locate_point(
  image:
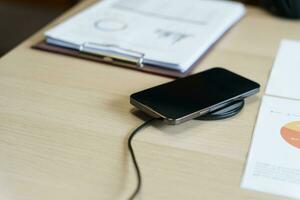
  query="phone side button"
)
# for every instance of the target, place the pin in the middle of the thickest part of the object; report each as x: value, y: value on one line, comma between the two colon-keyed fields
x: 203, y: 112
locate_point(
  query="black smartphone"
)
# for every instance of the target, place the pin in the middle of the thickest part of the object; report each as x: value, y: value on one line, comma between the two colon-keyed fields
x: 188, y: 98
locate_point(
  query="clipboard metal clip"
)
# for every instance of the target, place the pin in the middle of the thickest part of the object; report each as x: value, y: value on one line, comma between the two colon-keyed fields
x: 113, y: 53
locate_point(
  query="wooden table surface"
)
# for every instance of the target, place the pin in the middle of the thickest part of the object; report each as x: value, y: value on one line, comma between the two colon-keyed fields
x: 64, y: 124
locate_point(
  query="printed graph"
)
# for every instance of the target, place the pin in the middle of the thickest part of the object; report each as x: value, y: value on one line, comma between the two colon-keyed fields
x: 290, y: 132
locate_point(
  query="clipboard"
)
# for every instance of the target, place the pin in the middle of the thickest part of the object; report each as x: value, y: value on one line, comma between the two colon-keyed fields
x: 174, y: 61
x: 133, y: 60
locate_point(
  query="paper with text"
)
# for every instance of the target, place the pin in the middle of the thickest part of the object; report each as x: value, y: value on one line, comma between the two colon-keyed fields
x: 273, y: 163
x: 172, y: 34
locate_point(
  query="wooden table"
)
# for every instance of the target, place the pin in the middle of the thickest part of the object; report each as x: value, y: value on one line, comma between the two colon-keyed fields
x: 64, y: 124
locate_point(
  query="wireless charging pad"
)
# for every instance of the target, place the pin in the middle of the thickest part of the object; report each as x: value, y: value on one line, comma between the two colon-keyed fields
x: 228, y: 111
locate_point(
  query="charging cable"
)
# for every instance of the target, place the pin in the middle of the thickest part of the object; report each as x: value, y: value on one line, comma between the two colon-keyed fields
x: 228, y: 111
x: 136, y: 166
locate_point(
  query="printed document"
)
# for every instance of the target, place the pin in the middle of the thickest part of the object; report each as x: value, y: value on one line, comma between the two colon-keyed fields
x: 274, y: 160
x: 168, y: 33
x: 285, y: 76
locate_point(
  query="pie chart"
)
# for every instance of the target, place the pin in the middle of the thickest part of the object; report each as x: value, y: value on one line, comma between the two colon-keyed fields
x: 290, y: 132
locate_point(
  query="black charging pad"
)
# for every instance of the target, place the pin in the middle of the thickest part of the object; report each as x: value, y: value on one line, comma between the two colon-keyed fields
x: 227, y: 111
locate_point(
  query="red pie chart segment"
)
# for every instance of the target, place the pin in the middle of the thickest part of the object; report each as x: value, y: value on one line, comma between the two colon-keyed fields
x: 291, y: 133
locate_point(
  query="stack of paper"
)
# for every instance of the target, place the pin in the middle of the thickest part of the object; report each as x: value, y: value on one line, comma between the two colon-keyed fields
x: 274, y: 160
x: 171, y: 34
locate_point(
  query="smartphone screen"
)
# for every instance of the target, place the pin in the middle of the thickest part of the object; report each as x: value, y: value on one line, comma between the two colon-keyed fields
x: 190, y: 97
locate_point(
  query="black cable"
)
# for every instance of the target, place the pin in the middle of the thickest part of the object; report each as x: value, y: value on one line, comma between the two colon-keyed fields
x: 136, y: 166
x: 228, y: 111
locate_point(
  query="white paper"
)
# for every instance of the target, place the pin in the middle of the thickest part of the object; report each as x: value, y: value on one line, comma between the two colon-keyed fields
x: 285, y: 77
x: 171, y: 33
x: 274, y: 161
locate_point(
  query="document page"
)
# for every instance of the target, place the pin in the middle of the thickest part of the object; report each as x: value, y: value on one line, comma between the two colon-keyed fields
x: 285, y: 77
x: 274, y: 161
x: 172, y: 33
